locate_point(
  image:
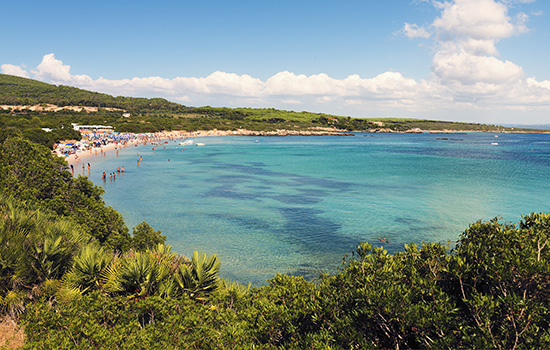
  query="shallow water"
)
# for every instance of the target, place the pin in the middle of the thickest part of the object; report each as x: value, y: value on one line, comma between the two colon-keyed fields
x: 297, y: 205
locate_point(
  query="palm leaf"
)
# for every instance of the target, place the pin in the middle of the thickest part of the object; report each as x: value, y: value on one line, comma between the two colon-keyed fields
x: 201, y: 279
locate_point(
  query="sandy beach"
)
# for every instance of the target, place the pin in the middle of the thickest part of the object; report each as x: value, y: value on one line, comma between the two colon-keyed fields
x: 111, y: 148
x: 81, y: 155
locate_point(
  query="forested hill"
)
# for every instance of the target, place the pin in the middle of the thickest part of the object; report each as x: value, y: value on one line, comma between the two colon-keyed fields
x: 22, y: 91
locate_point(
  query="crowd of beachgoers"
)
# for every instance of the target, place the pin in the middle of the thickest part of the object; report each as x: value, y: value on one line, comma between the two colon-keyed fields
x: 91, y: 144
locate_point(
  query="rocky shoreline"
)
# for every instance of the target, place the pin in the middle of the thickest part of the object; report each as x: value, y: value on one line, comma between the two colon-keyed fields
x: 244, y: 132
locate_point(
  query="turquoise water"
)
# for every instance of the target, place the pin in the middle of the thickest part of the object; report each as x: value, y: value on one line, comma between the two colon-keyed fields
x: 297, y: 205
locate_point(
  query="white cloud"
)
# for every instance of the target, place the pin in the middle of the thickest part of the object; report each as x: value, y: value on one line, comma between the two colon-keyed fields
x: 477, y: 19
x: 51, y: 69
x: 469, y: 69
x: 543, y: 84
x: 14, y: 70
x: 415, y: 31
x: 285, y: 83
x: 292, y: 102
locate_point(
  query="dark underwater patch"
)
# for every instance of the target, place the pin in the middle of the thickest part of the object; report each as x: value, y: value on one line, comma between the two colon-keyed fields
x: 297, y: 199
x: 306, y: 228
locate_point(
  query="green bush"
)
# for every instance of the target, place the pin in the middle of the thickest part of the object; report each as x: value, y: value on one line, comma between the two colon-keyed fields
x: 490, y: 291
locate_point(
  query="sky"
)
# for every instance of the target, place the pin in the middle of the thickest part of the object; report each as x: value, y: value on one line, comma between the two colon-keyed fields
x: 480, y: 61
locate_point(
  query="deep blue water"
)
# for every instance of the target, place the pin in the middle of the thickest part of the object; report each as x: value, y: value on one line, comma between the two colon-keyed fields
x: 297, y: 205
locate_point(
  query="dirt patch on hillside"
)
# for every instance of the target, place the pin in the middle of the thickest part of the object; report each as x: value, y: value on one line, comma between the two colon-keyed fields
x: 54, y: 108
x: 12, y: 336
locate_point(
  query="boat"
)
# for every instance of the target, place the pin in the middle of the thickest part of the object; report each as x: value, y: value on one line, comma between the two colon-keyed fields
x: 186, y: 143
x: 494, y: 143
x: 199, y: 144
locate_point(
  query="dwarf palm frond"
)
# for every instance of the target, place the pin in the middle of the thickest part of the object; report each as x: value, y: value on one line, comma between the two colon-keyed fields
x: 110, y: 276
x: 14, y: 303
x: 11, y: 242
x: 66, y: 294
x: 45, y: 259
x: 87, y: 267
x: 200, y: 279
x: 20, y: 215
x: 35, y: 245
x: 135, y: 274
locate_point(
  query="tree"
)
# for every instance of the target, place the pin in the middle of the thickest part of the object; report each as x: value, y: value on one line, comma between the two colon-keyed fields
x: 499, y: 276
x: 32, y: 173
x: 145, y: 237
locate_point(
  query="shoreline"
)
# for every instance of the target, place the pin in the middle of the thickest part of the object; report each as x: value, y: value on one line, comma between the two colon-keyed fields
x: 79, y: 156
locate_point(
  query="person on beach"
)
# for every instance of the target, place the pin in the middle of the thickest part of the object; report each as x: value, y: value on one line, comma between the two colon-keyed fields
x: 88, y: 167
x: 72, y: 169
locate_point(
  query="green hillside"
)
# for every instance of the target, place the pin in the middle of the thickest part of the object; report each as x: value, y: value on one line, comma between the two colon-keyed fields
x: 157, y: 114
x: 22, y: 91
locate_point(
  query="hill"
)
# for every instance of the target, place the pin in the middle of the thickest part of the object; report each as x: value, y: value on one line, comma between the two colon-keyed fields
x: 54, y: 106
x: 22, y: 91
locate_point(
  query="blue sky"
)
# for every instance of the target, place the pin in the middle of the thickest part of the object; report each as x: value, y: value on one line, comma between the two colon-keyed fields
x: 464, y: 60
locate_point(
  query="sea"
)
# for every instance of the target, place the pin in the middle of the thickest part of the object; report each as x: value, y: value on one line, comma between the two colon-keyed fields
x: 298, y: 205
